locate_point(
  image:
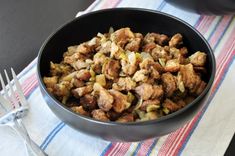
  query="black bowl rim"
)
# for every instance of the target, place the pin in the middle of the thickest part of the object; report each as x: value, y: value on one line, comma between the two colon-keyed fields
x: 113, y: 123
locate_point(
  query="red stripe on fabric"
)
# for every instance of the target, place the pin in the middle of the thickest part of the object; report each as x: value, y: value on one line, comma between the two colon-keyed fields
x: 203, y: 23
x: 124, y: 149
x: 231, y: 38
x: 175, y: 140
x: 219, y: 67
x: 220, y: 29
x: 29, y: 91
x: 24, y: 84
x: 145, y: 147
x: 206, y: 25
x: 110, y: 149
x: 219, y: 75
x: 168, y: 142
x: 200, y: 25
x: 114, y: 152
x: 199, y: 21
x: 226, y: 56
x: 224, y: 65
x: 186, y: 132
x: 28, y: 84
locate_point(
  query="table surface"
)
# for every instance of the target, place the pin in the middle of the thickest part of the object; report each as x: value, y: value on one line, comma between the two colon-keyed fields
x: 24, y: 25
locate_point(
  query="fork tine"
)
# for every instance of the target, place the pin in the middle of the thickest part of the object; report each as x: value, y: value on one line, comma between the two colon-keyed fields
x: 19, y: 89
x: 5, y: 103
x: 2, y: 110
x: 4, y: 87
x: 15, y: 101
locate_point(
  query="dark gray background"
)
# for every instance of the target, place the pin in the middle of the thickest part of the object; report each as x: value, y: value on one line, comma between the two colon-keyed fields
x: 25, y: 24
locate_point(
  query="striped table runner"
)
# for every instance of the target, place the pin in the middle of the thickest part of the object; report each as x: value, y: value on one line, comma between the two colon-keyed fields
x: 208, y: 133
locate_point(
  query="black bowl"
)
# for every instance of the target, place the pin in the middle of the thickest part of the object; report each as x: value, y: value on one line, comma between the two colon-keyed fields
x: 84, y: 28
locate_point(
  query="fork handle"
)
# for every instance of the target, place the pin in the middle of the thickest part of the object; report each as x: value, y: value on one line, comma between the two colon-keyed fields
x: 31, y: 145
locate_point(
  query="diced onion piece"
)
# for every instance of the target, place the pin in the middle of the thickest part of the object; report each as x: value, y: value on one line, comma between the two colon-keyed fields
x: 138, y: 57
x: 123, y: 56
x: 111, y: 30
x: 165, y: 110
x: 145, y: 55
x: 180, y: 82
x: 151, y: 115
x: 69, y: 77
x: 139, y: 104
x: 92, y: 75
x: 141, y: 114
x: 151, y: 108
x: 101, y: 79
x: 162, y: 61
x: 131, y: 57
x: 130, y: 97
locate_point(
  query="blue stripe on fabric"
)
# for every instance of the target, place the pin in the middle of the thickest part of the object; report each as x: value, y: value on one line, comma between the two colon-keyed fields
x: 198, y: 21
x: 137, y: 149
x: 217, y: 43
x: 213, y: 30
x: 161, y: 6
x: 151, y: 147
x: 211, y: 34
x: 32, y: 91
x: 106, y: 149
x: 49, y: 141
x: 44, y: 142
x: 206, y: 106
x: 117, y: 3
x: 52, y: 135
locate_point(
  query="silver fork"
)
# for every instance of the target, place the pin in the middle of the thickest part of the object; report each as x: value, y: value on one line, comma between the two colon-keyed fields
x: 12, y: 110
